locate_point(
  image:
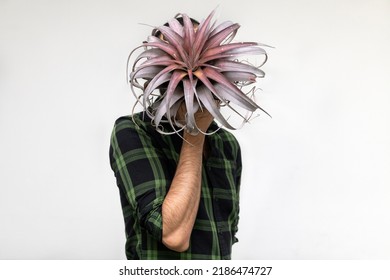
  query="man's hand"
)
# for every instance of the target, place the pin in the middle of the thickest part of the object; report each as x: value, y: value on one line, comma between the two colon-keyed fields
x: 203, y: 118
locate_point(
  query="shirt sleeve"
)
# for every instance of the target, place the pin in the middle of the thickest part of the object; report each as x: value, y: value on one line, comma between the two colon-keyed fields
x: 238, y: 185
x: 140, y: 170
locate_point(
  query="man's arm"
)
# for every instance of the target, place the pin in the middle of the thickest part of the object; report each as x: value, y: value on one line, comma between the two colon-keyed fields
x: 181, y: 203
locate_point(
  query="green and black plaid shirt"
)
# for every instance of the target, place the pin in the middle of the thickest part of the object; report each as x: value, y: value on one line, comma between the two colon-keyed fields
x: 144, y: 162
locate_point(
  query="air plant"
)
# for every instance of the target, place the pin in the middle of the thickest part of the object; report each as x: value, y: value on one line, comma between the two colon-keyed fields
x: 197, y: 65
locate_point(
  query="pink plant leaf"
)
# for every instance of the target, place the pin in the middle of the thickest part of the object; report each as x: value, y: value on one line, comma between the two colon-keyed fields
x: 231, y: 52
x: 175, y: 40
x: 226, y: 65
x: 234, y: 76
x: 206, y: 97
x: 229, y: 88
x: 160, y: 44
x: 158, y: 79
x: 189, y: 101
x: 201, y: 36
x: 147, y: 73
x: 151, y: 53
x: 176, y: 77
x: 161, y: 107
x: 160, y: 61
x: 219, y: 37
x: 175, y: 25
x: 189, y: 34
x: 220, y: 27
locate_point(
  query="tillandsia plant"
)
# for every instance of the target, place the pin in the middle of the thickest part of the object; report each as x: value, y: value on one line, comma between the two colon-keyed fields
x: 198, y: 65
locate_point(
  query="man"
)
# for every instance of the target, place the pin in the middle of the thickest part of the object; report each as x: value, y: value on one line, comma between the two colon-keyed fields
x: 180, y: 190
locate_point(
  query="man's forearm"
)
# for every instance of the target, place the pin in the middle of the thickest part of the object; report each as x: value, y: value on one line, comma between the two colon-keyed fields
x: 181, y: 203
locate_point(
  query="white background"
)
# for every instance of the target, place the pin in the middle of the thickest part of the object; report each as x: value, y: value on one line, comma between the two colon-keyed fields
x: 316, y: 180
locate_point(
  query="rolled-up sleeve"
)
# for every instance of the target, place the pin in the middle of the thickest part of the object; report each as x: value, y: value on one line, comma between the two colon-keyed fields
x: 141, y: 173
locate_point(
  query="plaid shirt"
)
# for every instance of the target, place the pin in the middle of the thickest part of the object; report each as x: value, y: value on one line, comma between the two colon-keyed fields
x: 144, y: 162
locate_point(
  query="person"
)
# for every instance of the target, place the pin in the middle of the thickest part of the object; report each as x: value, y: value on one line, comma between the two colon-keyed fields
x: 179, y: 192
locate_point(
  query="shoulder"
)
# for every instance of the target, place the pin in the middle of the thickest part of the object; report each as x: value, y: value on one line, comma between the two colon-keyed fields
x: 227, y: 142
x: 131, y: 130
x: 130, y: 122
x: 228, y: 138
x: 138, y: 123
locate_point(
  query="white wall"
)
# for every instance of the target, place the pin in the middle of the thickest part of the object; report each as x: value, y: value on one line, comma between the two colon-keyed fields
x: 316, y: 176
